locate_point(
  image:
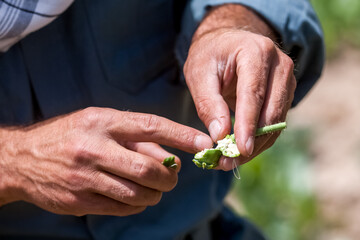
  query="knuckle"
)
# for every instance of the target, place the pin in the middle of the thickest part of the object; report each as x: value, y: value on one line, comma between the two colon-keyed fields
x: 87, y: 118
x: 277, y: 109
x: 195, y: 68
x: 82, y: 153
x: 183, y: 136
x: 289, y: 63
x: 144, y: 170
x: 276, y: 114
x: 256, y: 93
x: 261, y: 46
x: 93, y: 117
x: 151, y: 124
x: 73, y: 205
x: 148, y: 172
x: 267, y: 45
x: 202, y: 107
x: 259, y: 95
x: 91, y: 112
x: 78, y: 148
x: 76, y: 181
x: 71, y: 201
x: 83, y: 203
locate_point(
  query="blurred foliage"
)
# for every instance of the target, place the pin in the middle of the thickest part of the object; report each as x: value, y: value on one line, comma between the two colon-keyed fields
x: 340, y: 20
x: 275, y: 190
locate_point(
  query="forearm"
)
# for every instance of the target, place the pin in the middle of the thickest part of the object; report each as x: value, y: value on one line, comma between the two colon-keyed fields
x: 10, y: 186
x: 234, y: 16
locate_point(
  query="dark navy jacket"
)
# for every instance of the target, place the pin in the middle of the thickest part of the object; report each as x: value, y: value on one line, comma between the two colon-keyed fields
x: 128, y: 55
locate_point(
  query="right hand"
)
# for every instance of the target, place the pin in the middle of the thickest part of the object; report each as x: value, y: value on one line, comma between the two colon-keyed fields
x: 95, y: 161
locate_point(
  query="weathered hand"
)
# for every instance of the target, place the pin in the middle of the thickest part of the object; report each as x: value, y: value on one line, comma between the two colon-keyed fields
x: 246, y: 72
x: 94, y: 161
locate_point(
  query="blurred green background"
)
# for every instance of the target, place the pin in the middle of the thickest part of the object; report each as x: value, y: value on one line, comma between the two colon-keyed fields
x: 341, y: 23
x: 276, y: 191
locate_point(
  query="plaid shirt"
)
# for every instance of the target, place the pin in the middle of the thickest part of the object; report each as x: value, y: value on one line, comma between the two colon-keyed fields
x: 18, y: 18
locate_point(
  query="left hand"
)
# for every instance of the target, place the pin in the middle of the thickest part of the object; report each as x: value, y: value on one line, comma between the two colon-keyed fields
x: 246, y: 72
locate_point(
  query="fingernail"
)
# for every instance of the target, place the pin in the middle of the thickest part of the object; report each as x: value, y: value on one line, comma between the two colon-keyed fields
x: 202, y: 142
x: 227, y: 164
x: 214, y: 129
x: 250, y: 145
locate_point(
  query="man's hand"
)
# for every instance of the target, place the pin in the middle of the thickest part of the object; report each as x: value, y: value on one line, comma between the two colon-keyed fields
x: 233, y: 63
x: 94, y: 161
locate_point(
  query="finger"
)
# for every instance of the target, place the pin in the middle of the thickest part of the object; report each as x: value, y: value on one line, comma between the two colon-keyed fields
x: 152, y: 150
x: 151, y: 128
x: 260, y: 149
x: 139, y: 168
x: 267, y: 142
x: 251, y: 92
x: 125, y: 191
x: 280, y: 90
x: 262, y: 143
x: 101, y: 205
x: 227, y: 164
x: 279, y: 96
x: 204, y: 85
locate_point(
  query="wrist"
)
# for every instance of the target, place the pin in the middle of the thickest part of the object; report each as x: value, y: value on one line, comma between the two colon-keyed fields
x: 11, y: 186
x: 234, y: 16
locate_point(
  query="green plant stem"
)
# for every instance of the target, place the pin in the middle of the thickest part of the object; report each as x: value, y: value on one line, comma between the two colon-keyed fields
x: 270, y: 128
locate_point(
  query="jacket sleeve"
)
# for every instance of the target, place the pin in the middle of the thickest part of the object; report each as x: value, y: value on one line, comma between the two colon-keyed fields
x: 295, y: 22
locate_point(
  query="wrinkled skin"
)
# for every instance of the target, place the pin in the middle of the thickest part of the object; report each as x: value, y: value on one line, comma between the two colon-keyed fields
x: 242, y: 70
x: 108, y: 162
x: 94, y: 161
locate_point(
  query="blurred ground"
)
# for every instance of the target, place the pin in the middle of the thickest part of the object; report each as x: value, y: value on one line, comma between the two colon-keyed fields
x: 332, y: 112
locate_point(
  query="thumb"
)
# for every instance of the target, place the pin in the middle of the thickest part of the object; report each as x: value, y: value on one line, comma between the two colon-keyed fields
x: 214, y: 112
x: 210, y: 105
